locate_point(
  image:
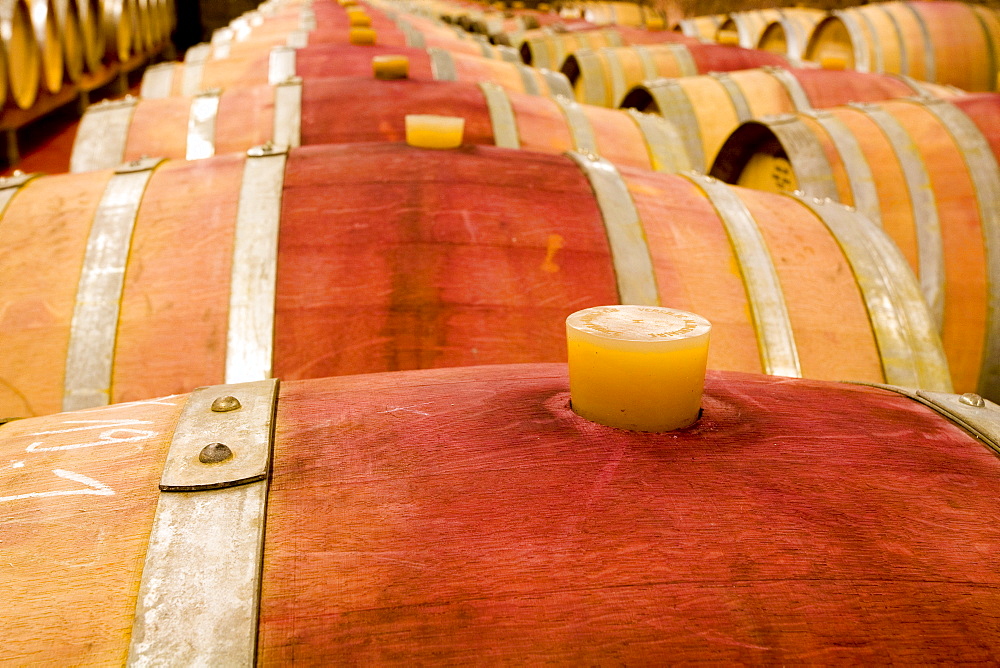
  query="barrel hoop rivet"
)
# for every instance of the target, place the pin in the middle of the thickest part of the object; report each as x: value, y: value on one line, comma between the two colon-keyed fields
x: 199, y: 597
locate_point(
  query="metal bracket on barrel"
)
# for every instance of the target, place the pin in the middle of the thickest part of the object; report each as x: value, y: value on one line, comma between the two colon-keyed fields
x: 976, y: 415
x: 200, y: 593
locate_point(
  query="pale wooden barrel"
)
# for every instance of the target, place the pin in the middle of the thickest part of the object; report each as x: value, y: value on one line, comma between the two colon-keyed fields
x: 24, y: 61
x: 927, y: 170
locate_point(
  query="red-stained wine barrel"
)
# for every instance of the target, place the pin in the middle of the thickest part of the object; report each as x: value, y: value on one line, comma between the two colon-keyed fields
x: 604, y: 76
x: 299, y: 113
x: 924, y: 169
x: 23, y: 71
x: 326, y: 61
x: 745, y: 28
x: 707, y: 109
x: 944, y: 42
x: 458, y: 516
x: 339, y: 259
x: 702, y: 28
x: 328, y: 23
x: 789, y: 33
x: 550, y: 48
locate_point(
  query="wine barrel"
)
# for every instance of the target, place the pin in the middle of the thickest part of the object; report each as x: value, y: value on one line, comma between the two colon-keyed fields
x: 89, y: 16
x: 707, y: 109
x: 50, y: 49
x: 789, y: 33
x: 120, y: 39
x: 622, y: 13
x: 67, y: 19
x: 941, y: 41
x: 298, y: 113
x: 444, y: 516
x: 326, y: 61
x: 164, y: 276
x: 925, y: 170
x: 335, y: 28
x: 602, y: 77
x: 23, y: 59
x: 745, y: 28
x: 702, y: 28
x: 549, y: 48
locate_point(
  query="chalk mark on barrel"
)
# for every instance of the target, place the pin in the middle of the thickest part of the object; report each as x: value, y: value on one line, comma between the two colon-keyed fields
x: 92, y: 487
x: 106, y: 437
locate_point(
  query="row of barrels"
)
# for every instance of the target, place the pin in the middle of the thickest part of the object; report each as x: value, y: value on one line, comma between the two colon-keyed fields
x: 48, y: 44
x: 952, y: 43
x: 286, y: 229
x: 295, y: 111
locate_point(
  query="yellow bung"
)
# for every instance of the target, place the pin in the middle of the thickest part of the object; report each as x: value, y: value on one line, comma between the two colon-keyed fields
x: 655, y: 23
x: 833, y: 63
x: 361, y: 36
x: 728, y: 37
x: 427, y: 131
x: 637, y: 367
x: 358, y: 18
x: 391, y: 67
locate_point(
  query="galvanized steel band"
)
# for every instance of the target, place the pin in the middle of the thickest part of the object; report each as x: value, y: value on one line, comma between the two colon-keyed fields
x: 616, y: 75
x: 649, y: 70
x: 864, y: 193
x: 287, y: 122
x: 739, y: 101
x: 985, y: 175
x: 591, y: 77
x: 158, y: 81
x: 505, y: 134
x: 101, y: 138
x: 280, y: 65
x: 191, y: 77
x: 685, y: 61
x: 809, y: 162
x: 663, y: 143
x: 201, y: 125
x: 878, y: 61
x: 930, y: 60
x: 674, y: 104
x: 557, y: 82
x: 775, y: 338
x: 860, y: 48
x: 908, y: 344
x: 976, y: 415
x: 528, y: 80
x: 250, y: 338
x: 199, y: 597
x: 90, y: 355
x: 579, y: 126
x: 11, y: 186
x: 442, y: 65
x: 633, y: 265
x: 904, y: 58
x: 930, y: 245
x: 792, y: 86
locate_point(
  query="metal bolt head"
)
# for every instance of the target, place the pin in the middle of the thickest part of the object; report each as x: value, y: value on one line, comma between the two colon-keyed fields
x: 213, y: 453
x: 226, y: 404
x: 972, y: 399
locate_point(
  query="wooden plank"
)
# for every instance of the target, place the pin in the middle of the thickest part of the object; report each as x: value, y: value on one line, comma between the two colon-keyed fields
x: 78, y: 496
x: 172, y: 328
x: 39, y: 275
x: 432, y: 258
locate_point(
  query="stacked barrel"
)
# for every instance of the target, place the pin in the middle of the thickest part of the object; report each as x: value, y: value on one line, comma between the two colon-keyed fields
x: 392, y: 206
